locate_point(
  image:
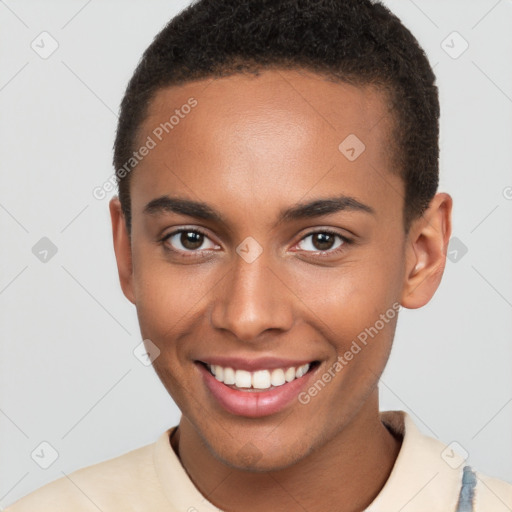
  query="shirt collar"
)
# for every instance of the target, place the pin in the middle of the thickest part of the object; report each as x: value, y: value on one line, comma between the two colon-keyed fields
x: 426, y: 474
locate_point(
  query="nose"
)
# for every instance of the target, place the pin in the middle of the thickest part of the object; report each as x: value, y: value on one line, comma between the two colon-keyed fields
x: 252, y: 299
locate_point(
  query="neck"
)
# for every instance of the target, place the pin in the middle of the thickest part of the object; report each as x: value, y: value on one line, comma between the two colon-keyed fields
x: 345, y: 474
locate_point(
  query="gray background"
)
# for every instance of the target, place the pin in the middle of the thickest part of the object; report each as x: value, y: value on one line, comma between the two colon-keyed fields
x: 68, y: 375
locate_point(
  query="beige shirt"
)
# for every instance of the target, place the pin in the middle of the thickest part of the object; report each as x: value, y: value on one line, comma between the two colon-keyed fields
x: 426, y: 477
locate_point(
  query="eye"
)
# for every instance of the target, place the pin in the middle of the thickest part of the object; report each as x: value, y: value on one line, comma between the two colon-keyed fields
x: 187, y: 240
x: 323, y: 241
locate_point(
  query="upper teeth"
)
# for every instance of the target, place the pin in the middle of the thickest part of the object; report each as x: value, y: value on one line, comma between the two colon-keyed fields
x: 260, y: 379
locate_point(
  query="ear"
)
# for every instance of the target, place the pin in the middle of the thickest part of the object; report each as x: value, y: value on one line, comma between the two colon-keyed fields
x: 122, y: 248
x: 426, y: 247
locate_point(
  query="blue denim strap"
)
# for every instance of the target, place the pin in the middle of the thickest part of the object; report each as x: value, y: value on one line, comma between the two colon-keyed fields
x: 467, y: 491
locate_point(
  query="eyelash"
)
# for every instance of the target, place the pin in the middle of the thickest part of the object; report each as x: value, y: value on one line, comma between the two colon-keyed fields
x: 194, y: 253
x: 185, y: 254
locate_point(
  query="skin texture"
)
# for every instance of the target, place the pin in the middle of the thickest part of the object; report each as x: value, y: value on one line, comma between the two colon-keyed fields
x: 251, y: 147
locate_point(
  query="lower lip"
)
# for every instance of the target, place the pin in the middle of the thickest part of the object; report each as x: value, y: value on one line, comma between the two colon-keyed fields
x: 254, y: 404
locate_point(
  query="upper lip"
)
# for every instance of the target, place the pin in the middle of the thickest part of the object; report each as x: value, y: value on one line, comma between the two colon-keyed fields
x: 253, y: 364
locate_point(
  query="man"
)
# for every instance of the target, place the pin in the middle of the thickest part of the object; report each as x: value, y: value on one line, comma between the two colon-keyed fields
x: 278, y: 171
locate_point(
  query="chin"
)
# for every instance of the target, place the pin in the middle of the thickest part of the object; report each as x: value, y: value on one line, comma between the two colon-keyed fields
x: 261, y: 459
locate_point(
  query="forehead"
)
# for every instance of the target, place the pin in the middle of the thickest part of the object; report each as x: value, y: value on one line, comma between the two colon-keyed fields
x: 296, y: 94
x: 280, y: 135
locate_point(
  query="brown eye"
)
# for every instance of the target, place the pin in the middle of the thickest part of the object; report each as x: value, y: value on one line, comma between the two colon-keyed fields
x: 191, y: 239
x: 188, y: 240
x: 322, y: 241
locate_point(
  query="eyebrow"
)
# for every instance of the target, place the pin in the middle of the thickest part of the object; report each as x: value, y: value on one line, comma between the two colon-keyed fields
x: 200, y: 210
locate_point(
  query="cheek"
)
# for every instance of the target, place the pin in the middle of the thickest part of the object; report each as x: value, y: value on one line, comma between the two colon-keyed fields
x: 356, y: 309
x: 164, y: 293
x: 351, y: 298
x: 342, y: 302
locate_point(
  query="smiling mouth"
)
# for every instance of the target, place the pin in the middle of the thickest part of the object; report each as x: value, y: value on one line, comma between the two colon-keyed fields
x: 259, y: 380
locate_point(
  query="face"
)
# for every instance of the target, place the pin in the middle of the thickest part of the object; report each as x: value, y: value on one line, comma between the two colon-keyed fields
x: 259, y: 244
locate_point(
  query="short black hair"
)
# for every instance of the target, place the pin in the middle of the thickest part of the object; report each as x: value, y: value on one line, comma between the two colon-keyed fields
x: 359, y: 42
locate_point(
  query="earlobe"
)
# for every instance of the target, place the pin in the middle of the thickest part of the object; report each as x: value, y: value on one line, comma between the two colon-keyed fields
x: 427, y: 244
x: 122, y: 248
